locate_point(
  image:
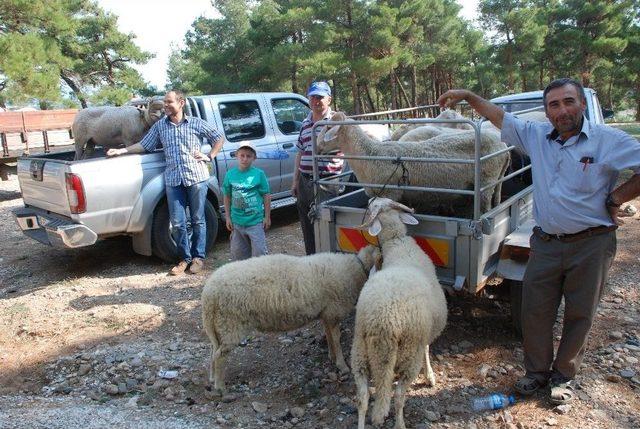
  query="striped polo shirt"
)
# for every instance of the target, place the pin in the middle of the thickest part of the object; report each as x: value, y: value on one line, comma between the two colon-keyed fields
x: 326, y: 167
x: 180, y: 142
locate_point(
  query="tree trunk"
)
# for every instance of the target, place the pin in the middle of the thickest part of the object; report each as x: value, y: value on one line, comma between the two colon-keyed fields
x: 372, y: 108
x: 402, y: 91
x: 541, y: 75
x: 76, y: 89
x: 394, y: 95
x: 638, y: 98
x: 414, y: 86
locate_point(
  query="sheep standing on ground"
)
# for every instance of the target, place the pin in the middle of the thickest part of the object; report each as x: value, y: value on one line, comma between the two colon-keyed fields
x: 400, y: 312
x: 275, y: 293
x: 460, y: 145
x: 111, y: 127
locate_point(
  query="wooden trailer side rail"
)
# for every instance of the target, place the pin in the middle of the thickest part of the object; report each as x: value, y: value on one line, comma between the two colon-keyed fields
x: 39, y: 121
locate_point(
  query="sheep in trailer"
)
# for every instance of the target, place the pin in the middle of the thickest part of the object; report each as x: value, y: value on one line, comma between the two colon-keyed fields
x: 350, y: 140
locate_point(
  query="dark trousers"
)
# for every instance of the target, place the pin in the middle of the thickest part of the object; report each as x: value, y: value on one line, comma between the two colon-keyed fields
x: 576, y: 271
x: 304, y: 203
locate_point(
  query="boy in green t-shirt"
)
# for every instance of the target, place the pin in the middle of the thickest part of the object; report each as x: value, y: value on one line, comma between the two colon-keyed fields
x: 247, y: 205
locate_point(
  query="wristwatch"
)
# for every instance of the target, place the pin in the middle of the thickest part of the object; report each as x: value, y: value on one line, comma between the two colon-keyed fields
x: 610, y: 203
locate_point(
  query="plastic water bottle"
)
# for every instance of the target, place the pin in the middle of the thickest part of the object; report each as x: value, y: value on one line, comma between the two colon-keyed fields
x: 495, y: 401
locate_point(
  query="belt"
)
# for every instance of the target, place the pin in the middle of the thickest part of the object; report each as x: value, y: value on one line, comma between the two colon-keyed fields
x: 568, y: 238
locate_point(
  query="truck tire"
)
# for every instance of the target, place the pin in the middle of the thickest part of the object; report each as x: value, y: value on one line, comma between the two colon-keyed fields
x: 162, y: 244
x: 515, y: 295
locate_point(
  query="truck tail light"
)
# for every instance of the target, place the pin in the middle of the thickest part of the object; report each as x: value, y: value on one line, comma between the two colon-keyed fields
x: 75, y: 193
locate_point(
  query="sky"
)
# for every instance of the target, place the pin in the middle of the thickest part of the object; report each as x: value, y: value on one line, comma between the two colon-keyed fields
x: 161, y: 24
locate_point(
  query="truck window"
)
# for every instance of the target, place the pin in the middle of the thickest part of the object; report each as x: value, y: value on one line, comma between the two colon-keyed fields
x: 289, y: 112
x: 189, y: 108
x: 241, y: 120
x: 203, y: 113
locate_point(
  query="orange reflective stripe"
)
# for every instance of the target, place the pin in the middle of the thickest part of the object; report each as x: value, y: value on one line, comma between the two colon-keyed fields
x: 426, y: 247
x: 352, y: 240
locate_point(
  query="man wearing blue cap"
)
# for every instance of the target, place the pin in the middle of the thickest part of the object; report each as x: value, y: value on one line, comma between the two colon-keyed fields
x: 319, y: 95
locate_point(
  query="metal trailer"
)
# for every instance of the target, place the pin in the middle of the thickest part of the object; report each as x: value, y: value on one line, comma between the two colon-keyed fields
x: 466, y: 251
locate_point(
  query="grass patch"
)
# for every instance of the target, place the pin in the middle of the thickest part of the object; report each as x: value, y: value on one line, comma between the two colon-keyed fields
x: 632, y: 128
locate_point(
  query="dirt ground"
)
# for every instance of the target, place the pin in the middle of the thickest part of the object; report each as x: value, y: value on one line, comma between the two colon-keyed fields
x: 101, y: 337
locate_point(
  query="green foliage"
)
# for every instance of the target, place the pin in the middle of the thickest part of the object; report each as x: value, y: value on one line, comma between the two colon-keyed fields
x: 376, y: 54
x: 57, y: 44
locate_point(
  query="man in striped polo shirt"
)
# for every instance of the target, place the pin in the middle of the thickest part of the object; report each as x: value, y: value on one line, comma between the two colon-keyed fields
x: 185, y: 175
x: 319, y: 95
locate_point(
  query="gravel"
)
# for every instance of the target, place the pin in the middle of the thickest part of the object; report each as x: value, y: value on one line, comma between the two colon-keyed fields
x: 101, y: 337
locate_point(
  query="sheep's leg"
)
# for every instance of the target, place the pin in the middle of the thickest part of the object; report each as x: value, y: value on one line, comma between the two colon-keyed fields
x: 485, y: 201
x: 362, y: 393
x: 428, y: 371
x: 334, y: 337
x: 212, y: 369
x: 400, y: 397
x: 219, y: 359
x: 383, y: 362
x: 88, y: 149
x: 330, y: 341
x: 360, y: 375
x: 332, y: 332
x: 409, y: 363
x: 497, y: 193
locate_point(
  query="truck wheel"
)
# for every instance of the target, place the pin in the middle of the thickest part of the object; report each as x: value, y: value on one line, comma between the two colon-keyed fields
x: 162, y: 244
x: 515, y: 293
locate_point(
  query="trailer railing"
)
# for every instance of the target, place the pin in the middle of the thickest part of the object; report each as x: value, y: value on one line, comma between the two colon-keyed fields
x: 476, y: 161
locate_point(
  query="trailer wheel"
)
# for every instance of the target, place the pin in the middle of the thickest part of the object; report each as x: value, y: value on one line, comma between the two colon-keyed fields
x: 162, y: 244
x: 515, y: 294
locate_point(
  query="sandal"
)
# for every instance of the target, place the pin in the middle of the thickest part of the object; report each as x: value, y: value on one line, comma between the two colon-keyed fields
x: 528, y: 385
x: 561, y: 393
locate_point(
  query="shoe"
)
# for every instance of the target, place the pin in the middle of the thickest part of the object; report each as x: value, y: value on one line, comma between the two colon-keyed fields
x: 561, y: 390
x: 179, y: 269
x: 528, y: 385
x: 196, y: 266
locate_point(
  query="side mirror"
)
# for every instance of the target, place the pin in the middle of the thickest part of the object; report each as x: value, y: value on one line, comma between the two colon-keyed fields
x: 607, y: 113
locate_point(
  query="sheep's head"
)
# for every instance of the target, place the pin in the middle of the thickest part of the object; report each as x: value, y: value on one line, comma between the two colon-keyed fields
x: 155, y: 109
x: 452, y: 114
x: 328, y: 138
x: 370, y: 256
x: 387, y: 214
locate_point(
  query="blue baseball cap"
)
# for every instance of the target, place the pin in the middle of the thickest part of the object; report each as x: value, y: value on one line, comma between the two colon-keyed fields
x: 319, y: 88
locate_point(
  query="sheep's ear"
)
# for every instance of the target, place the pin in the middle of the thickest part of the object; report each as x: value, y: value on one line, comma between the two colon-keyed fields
x: 408, y: 219
x: 375, y: 228
x: 331, y: 133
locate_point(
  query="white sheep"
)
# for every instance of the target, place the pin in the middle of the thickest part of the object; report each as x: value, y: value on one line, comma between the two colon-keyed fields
x: 274, y: 293
x: 402, y: 130
x: 425, y: 132
x: 401, y: 311
x: 379, y: 132
x: 456, y: 145
x: 452, y: 114
x: 112, y: 126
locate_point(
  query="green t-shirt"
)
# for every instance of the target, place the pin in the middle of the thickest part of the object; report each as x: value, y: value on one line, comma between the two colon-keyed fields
x: 246, y: 189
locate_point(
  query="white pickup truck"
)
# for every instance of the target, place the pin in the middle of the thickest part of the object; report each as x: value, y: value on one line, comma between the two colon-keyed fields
x: 69, y: 204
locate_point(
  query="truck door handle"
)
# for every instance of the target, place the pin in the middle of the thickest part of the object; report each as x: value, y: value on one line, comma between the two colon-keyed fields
x: 287, y: 145
x: 232, y: 154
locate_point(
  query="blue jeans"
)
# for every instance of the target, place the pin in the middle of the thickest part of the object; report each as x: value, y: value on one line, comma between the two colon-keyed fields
x: 178, y: 198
